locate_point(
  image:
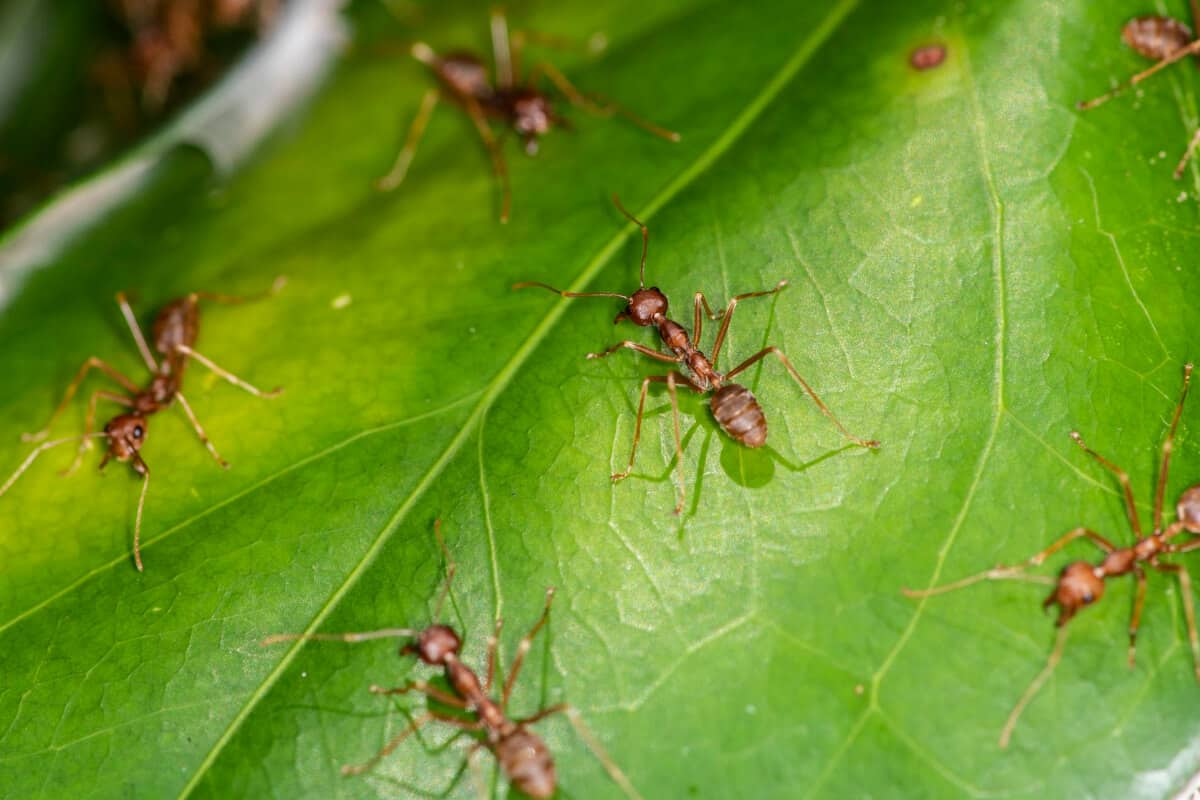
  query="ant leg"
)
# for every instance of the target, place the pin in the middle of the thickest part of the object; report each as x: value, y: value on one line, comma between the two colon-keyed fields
x: 451, y: 568
x: 423, y: 688
x: 136, y: 330
x: 728, y: 316
x: 227, y: 375
x: 1015, y: 572
x: 637, y: 425
x: 872, y: 443
x: 387, y: 749
x: 89, y: 424
x: 523, y: 648
x: 489, y: 141
x: 646, y: 351
x: 1167, y: 446
x: 1122, y: 478
x: 500, y: 50
x: 492, y: 644
x: 236, y: 300
x: 1187, y: 155
x: 1034, y: 688
x: 90, y: 364
x: 603, y: 108
x: 481, y: 790
x: 1139, y: 601
x: 187, y: 409
x: 1181, y: 53
x: 590, y: 740
x: 1189, y: 611
x: 395, y: 176
x: 37, y: 451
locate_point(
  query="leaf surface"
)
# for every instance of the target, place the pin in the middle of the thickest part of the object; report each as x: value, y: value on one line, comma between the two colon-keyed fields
x: 975, y: 269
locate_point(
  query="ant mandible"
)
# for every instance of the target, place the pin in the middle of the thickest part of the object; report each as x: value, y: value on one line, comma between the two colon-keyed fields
x: 518, y: 104
x: 521, y: 753
x: 1080, y: 583
x: 733, y: 406
x: 174, y: 331
x: 1167, y: 40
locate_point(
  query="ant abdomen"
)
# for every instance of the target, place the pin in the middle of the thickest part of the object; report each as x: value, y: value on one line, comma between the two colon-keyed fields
x: 176, y: 324
x: 1156, y: 37
x: 528, y: 763
x: 1188, y: 509
x: 464, y: 74
x: 739, y: 414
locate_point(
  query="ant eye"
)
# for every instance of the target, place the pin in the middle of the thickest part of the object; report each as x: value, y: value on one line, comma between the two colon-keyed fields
x: 137, y: 432
x: 1088, y: 597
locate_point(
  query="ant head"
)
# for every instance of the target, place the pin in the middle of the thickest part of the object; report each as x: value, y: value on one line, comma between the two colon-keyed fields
x: 126, y: 435
x: 528, y: 763
x: 646, y: 307
x: 1188, y: 509
x: 532, y: 116
x: 1078, y: 586
x: 434, y: 644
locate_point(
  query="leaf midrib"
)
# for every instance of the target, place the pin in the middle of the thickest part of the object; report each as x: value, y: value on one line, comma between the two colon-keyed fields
x: 806, y: 48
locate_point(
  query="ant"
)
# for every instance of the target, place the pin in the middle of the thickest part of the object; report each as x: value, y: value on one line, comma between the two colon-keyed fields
x: 1080, y: 583
x: 518, y: 104
x: 733, y: 406
x: 174, y: 331
x: 521, y: 753
x: 1166, y: 40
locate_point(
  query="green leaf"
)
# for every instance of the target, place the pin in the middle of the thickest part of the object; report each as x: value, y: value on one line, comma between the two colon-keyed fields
x: 975, y: 270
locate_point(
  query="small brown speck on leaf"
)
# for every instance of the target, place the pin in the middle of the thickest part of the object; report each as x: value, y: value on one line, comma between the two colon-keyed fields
x: 928, y: 57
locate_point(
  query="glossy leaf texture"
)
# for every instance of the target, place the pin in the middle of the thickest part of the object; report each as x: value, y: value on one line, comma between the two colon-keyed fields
x: 975, y: 270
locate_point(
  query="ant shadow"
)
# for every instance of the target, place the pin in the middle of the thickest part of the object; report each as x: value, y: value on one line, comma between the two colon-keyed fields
x: 750, y: 468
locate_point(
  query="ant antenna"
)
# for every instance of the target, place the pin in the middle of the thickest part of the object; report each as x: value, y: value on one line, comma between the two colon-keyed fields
x: 1034, y: 687
x: 37, y: 451
x: 1179, y: 54
x: 137, y: 521
x: 351, y: 638
x: 540, y: 285
x: 645, y: 236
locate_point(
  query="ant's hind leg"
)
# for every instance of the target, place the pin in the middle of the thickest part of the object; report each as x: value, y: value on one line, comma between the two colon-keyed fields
x: 73, y: 387
x: 226, y: 374
x: 590, y: 740
x: 499, y: 167
x: 389, y: 748
x: 775, y: 351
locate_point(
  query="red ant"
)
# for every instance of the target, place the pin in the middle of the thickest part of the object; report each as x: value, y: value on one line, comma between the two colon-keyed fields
x: 175, y: 329
x: 733, y: 406
x: 521, y: 105
x: 521, y: 753
x: 1080, y: 584
x: 1167, y: 40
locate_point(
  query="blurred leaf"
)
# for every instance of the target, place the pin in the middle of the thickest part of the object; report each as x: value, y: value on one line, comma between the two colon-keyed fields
x: 976, y: 269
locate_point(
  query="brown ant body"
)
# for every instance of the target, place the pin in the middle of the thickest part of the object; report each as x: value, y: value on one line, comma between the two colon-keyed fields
x: 520, y: 105
x: 1166, y: 40
x: 174, y: 334
x: 1081, y: 583
x: 520, y: 753
x: 733, y: 406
